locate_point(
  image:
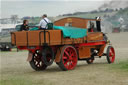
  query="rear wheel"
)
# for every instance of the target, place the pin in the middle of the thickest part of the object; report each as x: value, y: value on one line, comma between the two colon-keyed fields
x: 48, y: 55
x: 36, y: 63
x: 69, y: 58
x: 110, y: 54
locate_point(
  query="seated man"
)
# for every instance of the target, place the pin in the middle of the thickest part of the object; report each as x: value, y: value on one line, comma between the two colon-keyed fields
x: 43, y: 23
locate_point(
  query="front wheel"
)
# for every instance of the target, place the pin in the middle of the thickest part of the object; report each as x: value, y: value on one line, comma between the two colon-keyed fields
x: 110, y: 54
x: 69, y: 58
x: 36, y: 63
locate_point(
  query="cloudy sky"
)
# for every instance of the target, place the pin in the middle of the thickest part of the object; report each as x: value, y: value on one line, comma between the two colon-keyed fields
x: 50, y: 7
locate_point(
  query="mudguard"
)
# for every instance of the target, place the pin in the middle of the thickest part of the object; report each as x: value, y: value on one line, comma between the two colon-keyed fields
x: 30, y: 54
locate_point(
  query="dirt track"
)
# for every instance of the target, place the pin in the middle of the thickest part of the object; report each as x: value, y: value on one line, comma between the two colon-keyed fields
x: 16, y: 70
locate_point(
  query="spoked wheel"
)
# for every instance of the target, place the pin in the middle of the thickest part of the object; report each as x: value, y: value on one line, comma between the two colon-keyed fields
x: 36, y: 62
x: 69, y: 58
x: 110, y: 54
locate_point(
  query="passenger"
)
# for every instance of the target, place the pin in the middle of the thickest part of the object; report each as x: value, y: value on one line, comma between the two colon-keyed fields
x: 43, y: 23
x: 24, y: 26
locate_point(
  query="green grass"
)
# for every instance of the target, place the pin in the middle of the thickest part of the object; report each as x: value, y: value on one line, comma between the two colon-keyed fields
x: 22, y: 80
x: 121, y: 66
x: 16, y: 81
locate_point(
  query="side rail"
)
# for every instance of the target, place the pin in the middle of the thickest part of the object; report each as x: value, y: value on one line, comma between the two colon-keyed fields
x: 45, y: 41
x: 15, y: 40
x: 13, y: 34
x: 95, y: 37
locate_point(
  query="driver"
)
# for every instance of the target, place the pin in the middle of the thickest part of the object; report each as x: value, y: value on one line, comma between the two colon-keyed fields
x: 91, y: 27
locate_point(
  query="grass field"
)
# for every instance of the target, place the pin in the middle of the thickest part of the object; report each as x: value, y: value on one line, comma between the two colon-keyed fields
x: 15, y: 70
x: 122, y: 66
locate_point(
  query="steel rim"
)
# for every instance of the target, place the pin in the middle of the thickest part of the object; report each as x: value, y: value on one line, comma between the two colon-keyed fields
x: 69, y: 58
x: 111, y: 54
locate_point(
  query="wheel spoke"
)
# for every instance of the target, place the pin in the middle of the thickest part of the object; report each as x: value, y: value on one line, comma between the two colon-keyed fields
x: 111, y: 53
x: 72, y: 54
x: 67, y: 53
x: 71, y: 65
x: 37, y: 64
x: 37, y: 59
x: 66, y: 62
x: 65, y: 57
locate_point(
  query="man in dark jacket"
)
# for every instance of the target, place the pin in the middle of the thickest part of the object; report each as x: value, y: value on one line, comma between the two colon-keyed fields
x: 24, y: 26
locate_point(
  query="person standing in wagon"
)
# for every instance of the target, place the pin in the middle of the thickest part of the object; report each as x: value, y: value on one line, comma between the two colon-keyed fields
x: 43, y: 23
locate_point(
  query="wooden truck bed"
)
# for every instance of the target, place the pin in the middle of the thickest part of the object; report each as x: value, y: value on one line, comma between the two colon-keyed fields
x: 53, y: 37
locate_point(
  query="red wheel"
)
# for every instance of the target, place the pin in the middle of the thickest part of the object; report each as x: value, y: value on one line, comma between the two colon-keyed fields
x: 68, y: 58
x: 110, y: 54
x: 36, y: 62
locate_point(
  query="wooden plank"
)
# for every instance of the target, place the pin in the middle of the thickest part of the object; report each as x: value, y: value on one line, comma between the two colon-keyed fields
x: 75, y: 22
x: 96, y: 36
x: 21, y: 39
x: 84, y: 52
x: 33, y: 38
x: 55, y: 37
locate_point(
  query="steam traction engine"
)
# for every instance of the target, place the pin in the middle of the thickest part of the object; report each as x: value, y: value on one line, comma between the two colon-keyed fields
x: 48, y: 46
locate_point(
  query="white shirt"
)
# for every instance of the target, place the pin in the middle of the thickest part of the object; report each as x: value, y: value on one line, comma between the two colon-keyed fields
x: 43, y: 23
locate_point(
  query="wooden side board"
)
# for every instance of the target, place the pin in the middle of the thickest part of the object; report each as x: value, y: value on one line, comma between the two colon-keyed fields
x: 53, y: 37
x: 76, y: 22
x: 19, y: 38
x: 84, y: 52
x: 36, y: 38
x: 95, y: 36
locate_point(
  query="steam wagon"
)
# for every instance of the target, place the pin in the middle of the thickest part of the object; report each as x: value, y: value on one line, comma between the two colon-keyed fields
x: 70, y: 40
